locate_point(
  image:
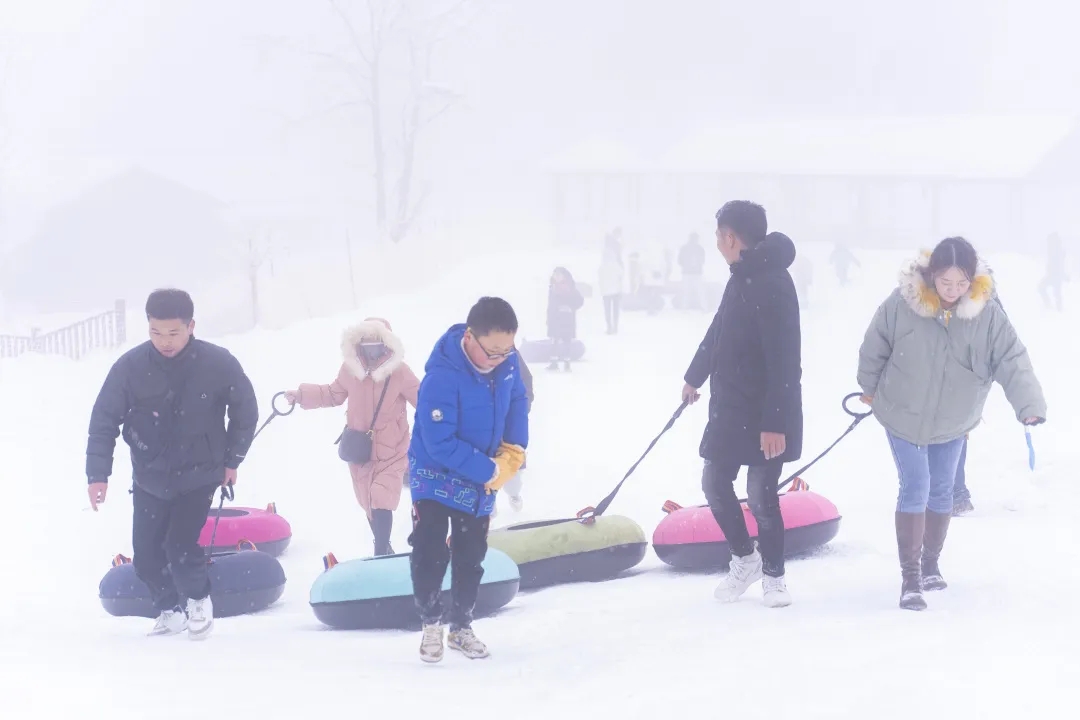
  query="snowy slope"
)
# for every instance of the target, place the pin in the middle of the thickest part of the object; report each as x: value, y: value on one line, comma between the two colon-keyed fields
x: 999, y: 642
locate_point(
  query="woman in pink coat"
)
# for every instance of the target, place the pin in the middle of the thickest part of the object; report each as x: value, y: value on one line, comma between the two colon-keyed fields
x: 374, y: 359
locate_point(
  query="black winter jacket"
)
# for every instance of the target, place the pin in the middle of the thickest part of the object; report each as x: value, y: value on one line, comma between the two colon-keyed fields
x: 173, y: 415
x: 563, y: 303
x: 752, y: 356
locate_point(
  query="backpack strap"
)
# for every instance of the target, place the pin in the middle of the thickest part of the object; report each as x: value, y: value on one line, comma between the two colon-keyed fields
x: 378, y: 406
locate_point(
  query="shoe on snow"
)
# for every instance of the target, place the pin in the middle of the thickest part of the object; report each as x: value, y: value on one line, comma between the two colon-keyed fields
x: 431, y: 643
x: 962, y: 507
x: 911, y: 597
x: 933, y: 582
x: 200, y: 618
x: 516, y: 503
x: 170, y: 622
x: 466, y: 642
x: 776, y: 592
x: 742, y: 573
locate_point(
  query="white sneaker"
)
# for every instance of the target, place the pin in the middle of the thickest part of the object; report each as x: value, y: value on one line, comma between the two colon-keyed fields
x: 200, y: 618
x: 170, y: 622
x: 516, y: 503
x: 742, y: 573
x: 431, y: 644
x: 776, y: 592
x: 466, y: 642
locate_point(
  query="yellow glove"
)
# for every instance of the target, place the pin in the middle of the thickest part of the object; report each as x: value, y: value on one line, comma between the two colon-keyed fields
x: 508, y: 460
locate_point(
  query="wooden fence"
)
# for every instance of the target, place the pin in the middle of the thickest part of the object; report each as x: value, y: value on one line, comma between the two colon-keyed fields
x: 106, y: 330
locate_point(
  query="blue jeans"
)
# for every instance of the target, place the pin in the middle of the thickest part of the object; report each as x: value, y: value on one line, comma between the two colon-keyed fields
x: 960, y: 490
x: 926, y: 474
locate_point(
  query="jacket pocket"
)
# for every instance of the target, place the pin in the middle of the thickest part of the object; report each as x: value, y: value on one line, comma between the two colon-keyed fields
x: 963, y: 396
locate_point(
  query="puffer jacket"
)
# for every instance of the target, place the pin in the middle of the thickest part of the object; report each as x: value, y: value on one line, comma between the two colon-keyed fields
x: 929, y: 370
x: 462, y: 416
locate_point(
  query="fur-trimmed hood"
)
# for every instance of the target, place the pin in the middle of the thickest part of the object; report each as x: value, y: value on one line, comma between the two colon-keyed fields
x: 372, y: 329
x: 924, y: 300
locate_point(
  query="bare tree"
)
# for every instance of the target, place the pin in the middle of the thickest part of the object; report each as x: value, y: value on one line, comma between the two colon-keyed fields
x: 388, y: 62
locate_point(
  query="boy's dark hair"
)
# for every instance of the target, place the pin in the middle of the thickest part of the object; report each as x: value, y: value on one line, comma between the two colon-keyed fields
x: 744, y: 218
x: 953, y: 252
x: 492, y: 314
x: 170, y: 304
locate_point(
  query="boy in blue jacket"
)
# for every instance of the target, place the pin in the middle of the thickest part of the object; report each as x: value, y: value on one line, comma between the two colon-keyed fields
x: 469, y: 439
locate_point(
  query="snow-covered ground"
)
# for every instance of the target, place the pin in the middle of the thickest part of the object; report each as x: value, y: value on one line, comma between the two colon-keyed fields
x: 1000, y: 642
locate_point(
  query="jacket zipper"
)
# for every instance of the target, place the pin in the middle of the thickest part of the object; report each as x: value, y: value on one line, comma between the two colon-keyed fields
x: 494, y: 418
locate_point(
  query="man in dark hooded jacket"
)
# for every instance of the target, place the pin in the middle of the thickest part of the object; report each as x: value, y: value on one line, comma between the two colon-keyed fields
x: 752, y: 358
x: 171, y: 394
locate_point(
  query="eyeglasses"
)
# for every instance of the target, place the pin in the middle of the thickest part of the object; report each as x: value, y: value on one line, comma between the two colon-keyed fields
x: 491, y: 355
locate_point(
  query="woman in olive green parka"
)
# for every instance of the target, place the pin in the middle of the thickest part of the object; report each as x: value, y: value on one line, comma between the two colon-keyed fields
x: 926, y: 365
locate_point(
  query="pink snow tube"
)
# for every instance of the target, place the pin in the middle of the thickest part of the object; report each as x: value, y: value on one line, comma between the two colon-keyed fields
x: 247, y: 528
x: 689, y: 538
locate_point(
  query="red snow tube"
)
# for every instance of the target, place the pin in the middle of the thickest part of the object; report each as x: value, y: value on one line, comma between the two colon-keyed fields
x: 245, y: 528
x: 689, y: 538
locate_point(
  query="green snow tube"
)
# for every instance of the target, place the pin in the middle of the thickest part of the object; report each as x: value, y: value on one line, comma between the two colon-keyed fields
x: 550, y: 552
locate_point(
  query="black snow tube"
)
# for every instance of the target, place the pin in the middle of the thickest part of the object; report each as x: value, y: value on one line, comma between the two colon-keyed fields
x: 377, y: 592
x: 563, y: 551
x: 537, y: 351
x: 240, y: 583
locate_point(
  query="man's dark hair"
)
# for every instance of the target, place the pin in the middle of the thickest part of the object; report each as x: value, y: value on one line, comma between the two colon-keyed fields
x: 170, y: 304
x: 492, y: 314
x: 744, y: 218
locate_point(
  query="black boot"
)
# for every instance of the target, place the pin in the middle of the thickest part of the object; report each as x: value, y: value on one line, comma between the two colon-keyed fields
x: 937, y: 527
x: 382, y: 522
x: 910, y: 528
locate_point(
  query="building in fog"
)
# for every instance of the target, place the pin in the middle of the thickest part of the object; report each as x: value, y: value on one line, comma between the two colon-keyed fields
x: 864, y: 181
x: 120, y: 239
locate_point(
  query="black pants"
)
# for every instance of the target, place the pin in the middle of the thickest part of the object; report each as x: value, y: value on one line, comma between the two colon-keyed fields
x: 718, y: 482
x: 431, y: 555
x: 165, y: 539
x: 611, y: 312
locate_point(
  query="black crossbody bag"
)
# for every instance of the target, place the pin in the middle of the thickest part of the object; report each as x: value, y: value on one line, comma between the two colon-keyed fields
x: 354, y: 446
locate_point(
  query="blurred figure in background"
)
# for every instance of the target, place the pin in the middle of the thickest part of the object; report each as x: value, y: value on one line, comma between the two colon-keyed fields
x: 1056, y: 274
x: 564, y: 300
x: 842, y: 259
x: 612, y: 280
x: 692, y: 265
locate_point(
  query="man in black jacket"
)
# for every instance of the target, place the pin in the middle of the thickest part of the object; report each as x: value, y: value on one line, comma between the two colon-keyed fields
x: 171, y: 395
x: 752, y: 358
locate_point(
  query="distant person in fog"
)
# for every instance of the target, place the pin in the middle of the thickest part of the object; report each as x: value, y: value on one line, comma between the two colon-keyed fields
x: 842, y: 259
x: 752, y: 357
x: 564, y: 300
x: 377, y: 384
x: 172, y: 395
x: 1056, y: 273
x: 612, y: 281
x: 692, y: 265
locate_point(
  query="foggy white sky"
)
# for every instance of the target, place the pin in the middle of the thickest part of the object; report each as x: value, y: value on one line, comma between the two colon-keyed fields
x: 202, y: 91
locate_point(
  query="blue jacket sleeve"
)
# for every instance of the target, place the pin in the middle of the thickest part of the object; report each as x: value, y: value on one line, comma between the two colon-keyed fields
x: 437, y: 417
x: 516, y: 431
